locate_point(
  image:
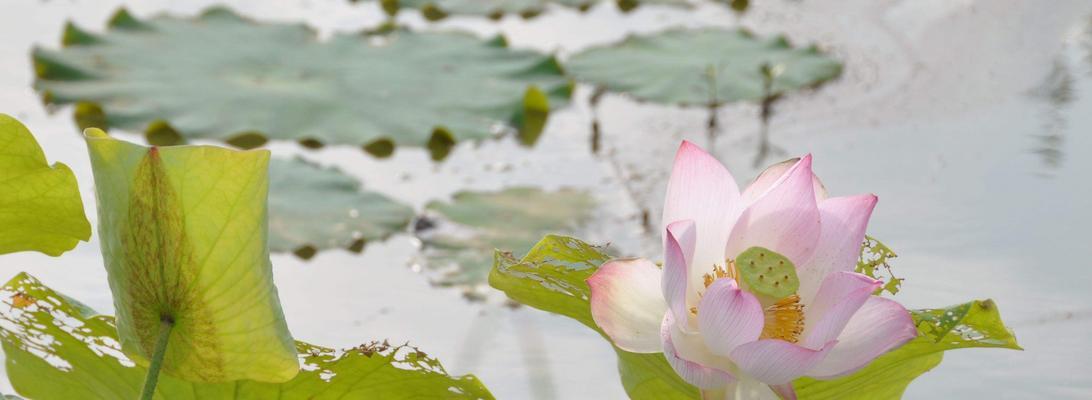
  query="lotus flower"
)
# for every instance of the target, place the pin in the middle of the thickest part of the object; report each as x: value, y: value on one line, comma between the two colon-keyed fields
x: 737, y: 331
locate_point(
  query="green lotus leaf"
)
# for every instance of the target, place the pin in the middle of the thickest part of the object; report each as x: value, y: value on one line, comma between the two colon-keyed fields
x: 57, y: 348
x: 875, y: 257
x: 313, y: 208
x: 702, y: 67
x: 184, y: 240
x: 219, y: 76
x: 439, y: 9
x: 458, y: 236
x: 551, y: 277
x: 972, y: 324
x: 40, y: 209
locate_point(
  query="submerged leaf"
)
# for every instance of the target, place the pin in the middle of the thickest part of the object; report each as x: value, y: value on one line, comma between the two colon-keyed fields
x: 461, y: 234
x: 184, y: 239
x: 40, y: 209
x: 313, y: 208
x: 552, y: 278
x: 57, y: 348
x: 702, y: 67
x: 219, y: 76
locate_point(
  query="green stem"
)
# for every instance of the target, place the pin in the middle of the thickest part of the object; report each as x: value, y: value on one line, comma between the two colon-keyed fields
x: 157, y: 359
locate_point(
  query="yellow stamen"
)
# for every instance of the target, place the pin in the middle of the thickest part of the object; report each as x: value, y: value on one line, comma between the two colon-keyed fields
x: 720, y: 272
x: 784, y: 320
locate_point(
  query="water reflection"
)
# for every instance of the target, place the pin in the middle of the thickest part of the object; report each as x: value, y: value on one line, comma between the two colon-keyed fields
x: 1056, y: 91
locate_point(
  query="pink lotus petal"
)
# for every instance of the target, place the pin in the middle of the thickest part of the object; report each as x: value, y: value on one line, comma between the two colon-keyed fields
x: 843, y: 221
x: 785, y: 391
x: 627, y: 304
x: 702, y: 190
x: 729, y: 317
x: 840, y: 296
x: 878, y: 327
x: 785, y: 219
x: 769, y: 177
x: 775, y: 361
x: 678, y: 250
x: 687, y: 358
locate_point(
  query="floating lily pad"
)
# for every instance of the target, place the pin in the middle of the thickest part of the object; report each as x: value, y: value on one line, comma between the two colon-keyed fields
x: 313, y: 208
x: 219, y: 76
x: 552, y: 277
x: 459, y: 236
x: 57, y: 348
x: 40, y: 205
x: 439, y: 9
x: 702, y: 67
x: 184, y: 240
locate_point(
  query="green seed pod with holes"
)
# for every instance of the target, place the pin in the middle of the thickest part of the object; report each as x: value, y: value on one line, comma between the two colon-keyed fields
x: 766, y: 272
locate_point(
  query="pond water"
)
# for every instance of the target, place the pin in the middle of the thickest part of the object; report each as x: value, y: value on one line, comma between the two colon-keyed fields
x: 964, y: 116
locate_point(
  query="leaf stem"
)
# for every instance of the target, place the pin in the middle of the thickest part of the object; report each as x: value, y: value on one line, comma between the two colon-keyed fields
x: 157, y: 359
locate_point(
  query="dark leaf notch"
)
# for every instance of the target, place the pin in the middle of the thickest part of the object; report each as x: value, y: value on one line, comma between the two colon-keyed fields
x: 221, y: 76
x: 435, y: 10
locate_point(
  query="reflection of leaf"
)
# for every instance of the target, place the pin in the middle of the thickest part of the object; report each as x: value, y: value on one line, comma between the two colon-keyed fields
x: 184, y: 239
x: 473, y: 224
x: 313, y: 208
x: 60, y: 349
x: 701, y: 67
x: 875, y: 255
x: 219, y: 76
x: 552, y: 278
x: 439, y: 9
x: 40, y: 205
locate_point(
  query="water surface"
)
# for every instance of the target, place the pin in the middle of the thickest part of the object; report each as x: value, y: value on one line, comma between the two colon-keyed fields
x: 968, y: 118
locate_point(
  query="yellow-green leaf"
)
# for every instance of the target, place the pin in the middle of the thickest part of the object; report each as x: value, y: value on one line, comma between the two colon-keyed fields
x: 59, y: 349
x: 40, y: 205
x: 184, y: 238
x: 552, y: 278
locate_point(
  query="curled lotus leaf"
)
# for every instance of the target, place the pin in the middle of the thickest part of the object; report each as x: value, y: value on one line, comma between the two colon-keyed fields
x: 184, y: 239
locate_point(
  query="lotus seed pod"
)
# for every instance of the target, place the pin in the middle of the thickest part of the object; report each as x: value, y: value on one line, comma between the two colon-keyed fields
x: 768, y: 273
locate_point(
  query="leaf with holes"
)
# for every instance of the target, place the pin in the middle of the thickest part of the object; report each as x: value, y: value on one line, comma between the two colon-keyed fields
x: 874, y: 256
x: 434, y: 10
x: 313, y: 208
x: 459, y: 236
x: 184, y: 240
x: 40, y: 209
x: 219, y: 76
x: 552, y: 278
x: 60, y: 349
x: 702, y: 67
x: 968, y: 325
